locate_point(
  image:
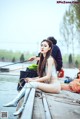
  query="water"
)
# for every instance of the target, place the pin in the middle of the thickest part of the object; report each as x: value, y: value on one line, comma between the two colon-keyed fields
x: 7, y: 93
x: 13, y: 66
x: 8, y: 86
x: 71, y: 72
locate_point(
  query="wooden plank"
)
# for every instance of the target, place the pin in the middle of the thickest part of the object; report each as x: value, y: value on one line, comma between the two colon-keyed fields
x: 46, y: 108
x: 60, y: 108
x: 38, y: 109
x: 27, y: 113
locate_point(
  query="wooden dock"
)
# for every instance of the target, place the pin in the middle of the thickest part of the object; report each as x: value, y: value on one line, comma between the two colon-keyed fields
x: 41, y: 105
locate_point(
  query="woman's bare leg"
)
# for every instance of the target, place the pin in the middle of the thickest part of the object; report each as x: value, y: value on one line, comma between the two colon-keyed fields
x: 65, y: 87
x: 50, y: 88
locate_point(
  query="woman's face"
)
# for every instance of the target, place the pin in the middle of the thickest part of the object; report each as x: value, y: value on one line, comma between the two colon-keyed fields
x: 44, y: 47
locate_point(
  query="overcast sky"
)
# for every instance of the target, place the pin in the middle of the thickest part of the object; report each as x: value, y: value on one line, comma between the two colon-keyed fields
x: 25, y: 23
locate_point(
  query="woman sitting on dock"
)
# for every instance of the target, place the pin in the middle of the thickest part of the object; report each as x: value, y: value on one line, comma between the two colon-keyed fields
x: 47, y: 80
x: 73, y: 86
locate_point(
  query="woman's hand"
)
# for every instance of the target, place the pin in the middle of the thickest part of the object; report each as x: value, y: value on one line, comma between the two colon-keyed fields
x: 26, y: 80
x: 29, y: 80
x: 32, y: 58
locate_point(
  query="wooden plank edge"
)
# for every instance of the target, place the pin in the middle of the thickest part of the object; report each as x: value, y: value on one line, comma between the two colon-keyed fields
x: 46, y: 107
x: 27, y: 113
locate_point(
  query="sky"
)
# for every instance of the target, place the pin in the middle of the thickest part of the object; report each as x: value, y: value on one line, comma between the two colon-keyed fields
x: 25, y: 23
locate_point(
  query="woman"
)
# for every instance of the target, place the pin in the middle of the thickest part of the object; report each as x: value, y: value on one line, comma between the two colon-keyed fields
x: 47, y: 80
x: 73, y: 86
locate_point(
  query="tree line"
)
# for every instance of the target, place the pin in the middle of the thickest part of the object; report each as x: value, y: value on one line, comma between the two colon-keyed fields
x: 10, y: 56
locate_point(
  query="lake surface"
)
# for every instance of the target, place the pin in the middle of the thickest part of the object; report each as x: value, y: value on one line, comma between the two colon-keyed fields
x: 8, y: 85
x: 8, y: 91
x: 14, y: 66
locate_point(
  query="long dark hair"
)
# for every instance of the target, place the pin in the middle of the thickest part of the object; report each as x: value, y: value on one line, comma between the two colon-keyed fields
x: 43, y: 60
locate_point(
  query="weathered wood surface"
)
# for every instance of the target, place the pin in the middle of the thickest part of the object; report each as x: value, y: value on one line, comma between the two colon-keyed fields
x: 46, y: 107
x: 65, y: 105
x: 38, y: 110
x: 29, y: 106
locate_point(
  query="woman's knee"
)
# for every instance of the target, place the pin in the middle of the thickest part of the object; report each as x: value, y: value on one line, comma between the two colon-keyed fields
x: 34, y: 84
x: 31, y: 85
x: 57, y: 87
x: 58, y: 90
